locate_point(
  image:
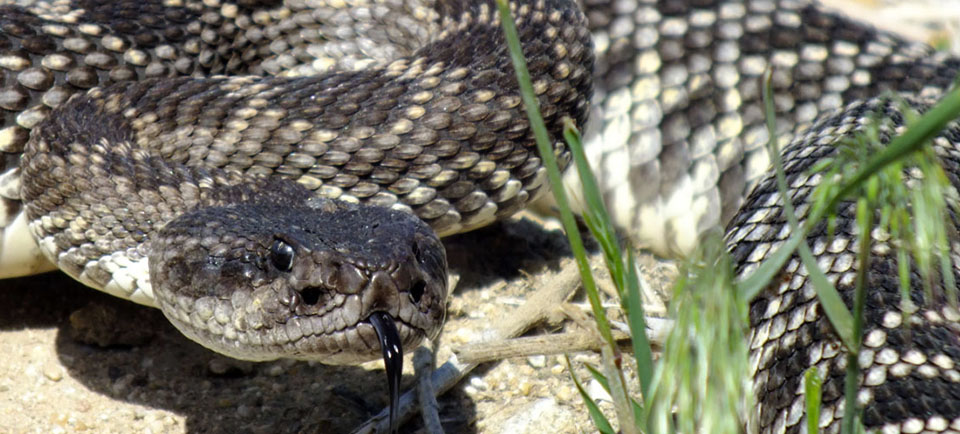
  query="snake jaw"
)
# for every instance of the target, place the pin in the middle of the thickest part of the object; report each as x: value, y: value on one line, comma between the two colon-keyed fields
x: 228, y: 279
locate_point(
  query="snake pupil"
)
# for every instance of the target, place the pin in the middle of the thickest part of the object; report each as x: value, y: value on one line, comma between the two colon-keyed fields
x: 281, y: 254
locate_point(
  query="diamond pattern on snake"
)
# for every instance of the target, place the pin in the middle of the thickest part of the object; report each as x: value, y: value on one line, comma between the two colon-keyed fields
x: 275, y: 175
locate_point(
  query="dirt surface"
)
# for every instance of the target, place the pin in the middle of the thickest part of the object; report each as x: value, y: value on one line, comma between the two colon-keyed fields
x: 153, y: 380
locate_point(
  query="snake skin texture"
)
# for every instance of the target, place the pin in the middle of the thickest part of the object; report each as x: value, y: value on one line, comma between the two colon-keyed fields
x: 910, y: 362
x: 675, y: 129
x: 121, y: 42
x: 678, y: 105
x: 117, y: 182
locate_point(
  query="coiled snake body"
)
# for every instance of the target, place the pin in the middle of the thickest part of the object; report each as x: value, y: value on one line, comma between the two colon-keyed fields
x: 177, y: 192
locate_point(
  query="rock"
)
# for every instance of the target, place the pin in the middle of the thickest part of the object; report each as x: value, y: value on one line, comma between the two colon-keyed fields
x: 544, y: 415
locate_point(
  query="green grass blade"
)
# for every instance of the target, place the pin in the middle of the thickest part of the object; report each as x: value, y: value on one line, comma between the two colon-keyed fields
x: 837, y: 312
x: 595, y: 214
x: 602, y: 379
x: 851, y: 412
x: 532, y: 107
x: 599, y: 420
x: 597, y: 375
x: 914, y: 138
x: 812, y: 396
x: 830, y: 299
x: 699, y: 381
x: 927, y: 203
x: 609, y: 351
x: 624, y: 273
x: 752, y: 284
x: 638, y: 327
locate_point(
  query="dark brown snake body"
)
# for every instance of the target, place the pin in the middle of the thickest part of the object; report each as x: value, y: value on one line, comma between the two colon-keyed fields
x: 175, y: 191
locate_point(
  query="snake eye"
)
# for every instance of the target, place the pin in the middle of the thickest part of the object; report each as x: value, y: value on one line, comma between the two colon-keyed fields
x: 281, y: 255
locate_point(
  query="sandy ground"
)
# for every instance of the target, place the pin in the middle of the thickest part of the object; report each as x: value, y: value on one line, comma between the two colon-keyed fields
x: 157, y: 381
x: 152, y: 380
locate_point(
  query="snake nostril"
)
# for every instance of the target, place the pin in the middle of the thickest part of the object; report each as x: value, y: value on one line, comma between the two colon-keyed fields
x: 310, y: 296
x: 417, y: 290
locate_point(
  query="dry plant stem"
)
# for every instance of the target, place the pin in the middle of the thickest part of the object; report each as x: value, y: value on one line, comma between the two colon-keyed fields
x: 535, y: 345
x: 426, y: 393
x: 552, y: 290
x: 443, y: 379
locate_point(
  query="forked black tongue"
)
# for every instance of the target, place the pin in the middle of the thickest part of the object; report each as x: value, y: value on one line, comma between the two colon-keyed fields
x: 392, y: 349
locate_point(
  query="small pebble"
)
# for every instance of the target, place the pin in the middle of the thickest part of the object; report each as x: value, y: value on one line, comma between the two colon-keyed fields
x: 275, y: 370
x: 464, y: 335
x: 60, y: 418
x: 83, y: 406
x: 244, y: 411
x: 565, y: 393
x: 478, y: 383
x: 155, y: 426
x: 218, y: 366
x: 53, y: 372
x: 597, y: 393
x: 538, y: 361
x: 557, y: 369
x: 544, y: 415
x: 456, y: 308
x: 525, y: 388
x: 120, y: 386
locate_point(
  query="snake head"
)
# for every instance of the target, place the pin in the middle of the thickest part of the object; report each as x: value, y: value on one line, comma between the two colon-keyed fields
x: 267, y: 280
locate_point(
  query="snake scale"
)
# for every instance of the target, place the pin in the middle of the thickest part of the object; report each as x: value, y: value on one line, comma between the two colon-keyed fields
x: 166, y: 178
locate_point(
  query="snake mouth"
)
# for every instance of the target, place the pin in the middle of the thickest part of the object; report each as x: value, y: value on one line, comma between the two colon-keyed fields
x: 299, y: 295
x: 381, y: 333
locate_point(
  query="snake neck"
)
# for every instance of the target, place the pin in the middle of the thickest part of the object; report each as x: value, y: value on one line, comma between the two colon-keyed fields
x: 439, y: 134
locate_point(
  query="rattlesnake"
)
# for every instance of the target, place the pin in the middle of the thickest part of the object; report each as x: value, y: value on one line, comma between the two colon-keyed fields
x: 419, y: 120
